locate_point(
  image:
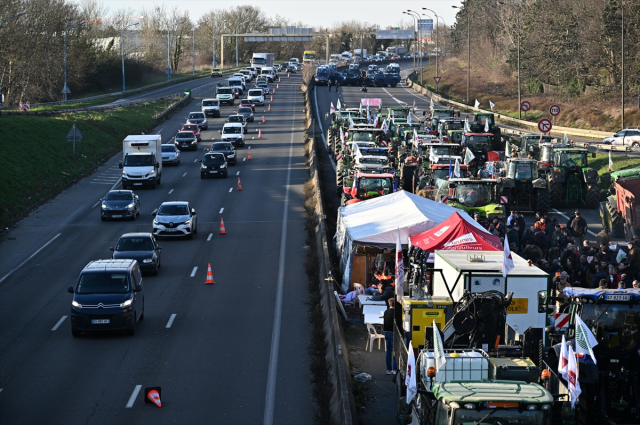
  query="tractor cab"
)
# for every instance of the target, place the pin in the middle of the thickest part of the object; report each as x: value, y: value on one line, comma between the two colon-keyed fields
x: 530, y: 144
x: 571, y: 179
x: 362, y: 186
x: 486, y: 123
x: 449, y: 124
x: 474, y: 195
x: 480, y: 144
x: 522, y: 188
x: 397, y: 112
x: 454, y: 136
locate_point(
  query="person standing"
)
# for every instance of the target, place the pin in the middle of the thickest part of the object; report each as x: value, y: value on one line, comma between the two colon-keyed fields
x: 512, y: 219
x: 579, y: 227
x: 633, y: 259
x: 329, y: 84
x: 387, y: 327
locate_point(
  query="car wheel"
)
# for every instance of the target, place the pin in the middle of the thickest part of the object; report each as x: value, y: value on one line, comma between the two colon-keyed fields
x: 76, y: 333
x: 132, y: 331
x: 142, y: 315
x: 133, y: 217
x: 103, y: 219
x: 635, y: 144
x: 155, y: 271
x: 190, y: 236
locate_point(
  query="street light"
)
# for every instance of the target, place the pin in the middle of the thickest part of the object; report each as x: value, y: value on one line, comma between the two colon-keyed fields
x: 122, y: 46
x: 169, y: 48
x: 238, y: 26
x: 2, y: 22
x: 65, y: 57
x: 418, y: 32
x: 422, y: 44
x: 622, y: 54
x: 468, y: 53
x: 437, y: 37
x: 215, y: 28
x: 414, y: 48
x: 193, y: 40
x: 517, y: 9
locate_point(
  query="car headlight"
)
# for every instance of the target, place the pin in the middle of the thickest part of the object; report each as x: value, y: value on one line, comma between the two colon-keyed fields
x: 147, y: 260
x: 126, y: 303
x: 105, y: 207
x: 232, y: 156
x: 187, y: 223
x: 204, y: 167
x: 193, y: 141
x: 76, y: 304
x: 151, y: 173
x: 223, y: 166
x: 130, y: 206
x: 155, y: 223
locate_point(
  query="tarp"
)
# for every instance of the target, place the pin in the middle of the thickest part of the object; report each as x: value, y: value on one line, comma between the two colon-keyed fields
x: 375, y: 223
x: 457, y: 234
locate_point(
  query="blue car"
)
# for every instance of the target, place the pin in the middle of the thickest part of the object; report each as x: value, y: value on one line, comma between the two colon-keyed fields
x: 227, y: 149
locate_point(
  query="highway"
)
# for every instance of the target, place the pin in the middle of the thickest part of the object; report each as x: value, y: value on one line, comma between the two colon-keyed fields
x: 230, y: 353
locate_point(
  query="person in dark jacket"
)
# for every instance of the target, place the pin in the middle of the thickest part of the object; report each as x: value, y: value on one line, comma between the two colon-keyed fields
x: 532, y: 252
x: 600, y: 275
x: 605, y: 253
x: 629, y: 270
x: 633, y: 259
x: 603, y: 237
x: 587, y: 249
x: 581, y: 271
x: 522, y: 224
x: 579, y: 227
x: 565, y: 239
x: 387, y: 327
x: 568, y: 253
x: 527, y: 238
x: 548, y: 231
x: 513, y: 235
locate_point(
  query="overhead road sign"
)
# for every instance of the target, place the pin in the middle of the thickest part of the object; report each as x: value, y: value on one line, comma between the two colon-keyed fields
x: 394, y: 35
x: 425, y: 24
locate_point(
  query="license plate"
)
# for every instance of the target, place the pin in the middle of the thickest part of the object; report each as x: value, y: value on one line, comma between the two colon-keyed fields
x: 117, y: 216
x: 137, y: 184
x: 170, y: 230
x: 100, y: 321
x: 617, y: 297
x: 213, y: 172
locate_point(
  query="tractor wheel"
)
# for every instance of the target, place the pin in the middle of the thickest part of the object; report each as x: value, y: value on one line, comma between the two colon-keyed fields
x: 542, y: 201
x: 615, y: 220
x: 555, y: 193
x: 339, y: 181
x: 329, y: 139
x: 593, y: 196
x: 344, y: 200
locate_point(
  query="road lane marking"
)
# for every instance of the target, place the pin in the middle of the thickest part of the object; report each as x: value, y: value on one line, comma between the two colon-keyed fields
x: 59, y: 323
x: 195, y: 269
x: 171, y: 319
x: 237, y: 173
x: 221, y: 209
x: 558, y: 212
x: 210, y: 236
x: 195, y: 160
x: 184, y: 174
x: 277, y: 316
x: 96, y: 204
x: 171, y: 191
x: 116, y: 183
x: 32, y: 255
x: 244, y: 159
x: 134, y: 394
x: 230, y: 190
x: 249, y: 147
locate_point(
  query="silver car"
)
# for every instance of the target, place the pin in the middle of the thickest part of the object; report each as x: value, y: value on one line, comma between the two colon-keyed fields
x: 170, y: 154
x: 247, y: 112
x: 175, y: 219
x: 626, y: 137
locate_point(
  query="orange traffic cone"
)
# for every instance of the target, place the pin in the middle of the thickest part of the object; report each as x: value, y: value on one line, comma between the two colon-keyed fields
x: 239, y: 184
x: 222, y: 231
x: 209, y: 280
x: 278, y: 79
x: 288, y: 75
x: 270, y: 106
x: 277, y: 86
x: 249, y: 158
x: 259, y: 134
x: 274, y: 91
x: 153, y: 396
x: 263, y: 120
x: 272, y: 98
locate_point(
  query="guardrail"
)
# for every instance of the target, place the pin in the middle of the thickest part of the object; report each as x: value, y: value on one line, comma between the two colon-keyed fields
x: 185, y: 99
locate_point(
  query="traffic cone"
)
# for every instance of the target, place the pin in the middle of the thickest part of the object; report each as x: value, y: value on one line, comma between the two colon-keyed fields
x: 263, y: 120
x: 259, y: 134
x: 239, y: 184
x: 274, y: 91
x: 288, y: 75
x: 270, y: 106
x: 222, y: 231
x: 278, y: 78
x: 277, y: 86
x: 209, y: 280
x: 272, y: 98
x: 153, y: 396
x: 249, y: 158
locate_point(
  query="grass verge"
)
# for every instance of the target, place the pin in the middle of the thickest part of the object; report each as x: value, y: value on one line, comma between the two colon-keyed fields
x: 601, y: 164
x: 43, y: 164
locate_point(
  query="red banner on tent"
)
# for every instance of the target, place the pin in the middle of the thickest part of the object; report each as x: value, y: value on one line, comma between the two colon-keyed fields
x: 456, y: 234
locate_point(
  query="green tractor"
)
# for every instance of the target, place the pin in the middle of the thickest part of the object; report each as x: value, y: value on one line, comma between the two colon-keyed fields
x: 479, y: 124
x: 473, y: 195
x: 523, y: 188
x: 453, y: 136
x: 571, y: 179
x: 612, y: 219
x: 528, y: 143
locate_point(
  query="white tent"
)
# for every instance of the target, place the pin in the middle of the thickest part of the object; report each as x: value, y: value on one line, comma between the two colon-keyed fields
x: 375, y: 223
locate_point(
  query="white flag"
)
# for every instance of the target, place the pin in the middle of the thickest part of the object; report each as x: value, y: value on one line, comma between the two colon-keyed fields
x: 332, y: 109
x: 477, y: 104
x: 491, y: 104
x: 467, y: 127
x: 438, y: 351
x: 507, y: 262
x: 409, y: 119
x: 469, y: 156
x: 431, y: 105
x: 433, y: 157
x: 338, y: 105
x: 585, y: 341
x: 414, y: 104
x: 486, y: 126
x: 369, y: 116
x: 341, y: 135
x: 610, y: 162
x: 410, y: 379
x: 456, y: 169
x: 351, y: 124
x: 563, y: 360
x: 572, y: 374
x: 399, y: 268
x: 385, y: 127
x: 565, y: 139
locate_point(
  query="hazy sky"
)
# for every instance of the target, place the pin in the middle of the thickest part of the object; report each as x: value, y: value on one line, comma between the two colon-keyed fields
x: 311, y: 12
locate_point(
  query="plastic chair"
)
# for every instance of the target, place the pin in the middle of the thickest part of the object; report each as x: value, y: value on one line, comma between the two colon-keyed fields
x: 359, y: 291
x: 373, y: 335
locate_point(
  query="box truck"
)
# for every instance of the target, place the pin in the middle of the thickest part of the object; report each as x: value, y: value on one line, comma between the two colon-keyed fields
x: 142, y: 161
x: 260, y: 60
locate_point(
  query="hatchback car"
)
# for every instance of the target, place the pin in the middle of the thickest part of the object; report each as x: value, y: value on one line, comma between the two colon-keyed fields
x: 119, y: 204
x: 247, y: 103
x: 107, y: 296
x: 141, y: 247
x: 170, y: 154
x: 227, y: 149
x: 263, y: 86
x: 175, y: 219
x: 292, y: 69
x: 198, y: 118
x: 626, y: 137
x: 193, y: 128
x: 186, y: 140
x: 239, y: 119
x: 214, y: 164
x: 247, y: 113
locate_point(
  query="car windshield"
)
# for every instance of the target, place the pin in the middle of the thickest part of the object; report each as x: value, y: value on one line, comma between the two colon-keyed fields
x: 498, y: 417
x: 139, y: 160
x: 322, y: 72
x: 455, y: 137
x: 255, y: 92
x: 213, y: 159
x: 221, y: 146
x: 441, y: 173
x: 373, y: 186
x: 103, y: 283
x: 473, y: 195
x: 169, y: 148
x: 134, y: 244
x: 224, y: 91
x: 478, y: 143
x: 246, y: 110
x: 236, y: 118
x: 185, y: 135
x: 190, y: 127
x: 546, y: 154
x: 522, y: 170
x: 360, y: 136
x: 445, y: 150
x: 376, y: 160
x: 209, y: 103
x: 482, y: 119
x: 231, y: 130
x: 236, y: 82
x: 172, y: 209
x: 615, y: 326
x: 447, y: 113
x: 263, y: 85
x: 453, y: 125
x: 197, y: 116
x: 119, y: 196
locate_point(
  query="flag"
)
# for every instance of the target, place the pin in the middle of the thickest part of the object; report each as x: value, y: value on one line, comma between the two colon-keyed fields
x: 563, y: 360
x: 438, y: 352
x: 565, y: 139
x: 610, y: 162
x: 338, y: 105
x: 450, y: 170
x: 415, y: 137
x: 409, y: 119
x: 399, y: 268
x: 341, y: 135
x: 507, y: 262
x: 477, y: 104
x: 332, y: 109
x: 467, y: 127
x: 351, y: 124
x: 354, y: 187
x: 433, y: 157
x: 368, y: 115
x: 360, y: 109
x: 414, y: 104
x: 486, y: 126
x: 491, y: 104
x: 469, y: 156
x: 492, y: 171
x: 456, y: 169
x: 431, y: 105
x: 572, y: 374
x: 375, y: 119
x: 410, y: 379
x: 385, y: 127
x: 585, y: 341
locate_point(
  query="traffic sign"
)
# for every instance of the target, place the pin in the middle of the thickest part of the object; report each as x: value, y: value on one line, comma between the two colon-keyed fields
x: 437, y: 80
x: 525, y: 106
x: 544, y: 125
x: 554, y: 110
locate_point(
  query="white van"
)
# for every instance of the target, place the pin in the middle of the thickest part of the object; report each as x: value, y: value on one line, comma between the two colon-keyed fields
x: 269, y: 73
x: 237, y: 82
x: 211, y: 107
x: 256, y: 96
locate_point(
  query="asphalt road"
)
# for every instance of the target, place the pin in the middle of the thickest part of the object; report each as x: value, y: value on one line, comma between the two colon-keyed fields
x: 234, y: 353
x: 401, y: 96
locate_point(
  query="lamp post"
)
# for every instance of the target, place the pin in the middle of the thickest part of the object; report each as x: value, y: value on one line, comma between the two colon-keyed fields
x: 65, y: 57
x: 169, y: 49
x: 517, y: 9
x: 468, y: 53
x: 238, y: 26
x: 215, y: 28
x: 428, y: 16
x: 416, y: 45
x: 622, y: 54
x: 437, y: 37
x: 193, y: 48
x: 419, y: 37
x: 2, y: 22
x: 122, y: 46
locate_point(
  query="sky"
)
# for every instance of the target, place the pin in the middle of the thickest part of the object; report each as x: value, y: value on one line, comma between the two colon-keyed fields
x: 313, y: 13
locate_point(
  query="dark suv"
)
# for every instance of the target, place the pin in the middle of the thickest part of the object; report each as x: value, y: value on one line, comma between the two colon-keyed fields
x: 108, y: 296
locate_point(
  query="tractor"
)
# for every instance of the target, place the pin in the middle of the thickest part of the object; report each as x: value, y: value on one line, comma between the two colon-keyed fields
x: 473, y: 195
x: 479, y: 125
x: 523, y: 188
x: 571, y: 179
x: 529, y: 143
x: 480, y: 144
x: 427, y: 175
x: 362, y: 186
x: 619, y: 214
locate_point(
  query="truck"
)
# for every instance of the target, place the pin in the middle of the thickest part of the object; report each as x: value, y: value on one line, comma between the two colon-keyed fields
x: 260, y: 60
x: 398, y: 51
x: 613, y: 219
x: 360, y: 53
x: 141, y: 161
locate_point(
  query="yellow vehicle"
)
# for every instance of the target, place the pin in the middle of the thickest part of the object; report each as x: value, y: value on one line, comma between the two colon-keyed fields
x: 309, y: 55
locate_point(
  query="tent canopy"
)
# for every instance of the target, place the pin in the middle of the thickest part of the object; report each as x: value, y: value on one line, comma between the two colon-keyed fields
x: 457, y: 234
